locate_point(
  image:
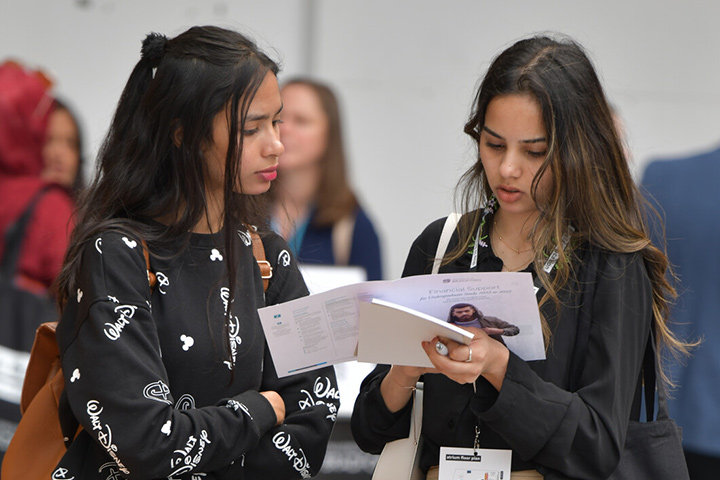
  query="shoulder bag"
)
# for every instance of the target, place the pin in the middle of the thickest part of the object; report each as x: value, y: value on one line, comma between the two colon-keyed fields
x: 653, y: 449
x: 400, y: 458
x: 21, y: 312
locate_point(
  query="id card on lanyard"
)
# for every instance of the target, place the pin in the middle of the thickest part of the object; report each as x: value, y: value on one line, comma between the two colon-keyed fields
x: 474, y: 464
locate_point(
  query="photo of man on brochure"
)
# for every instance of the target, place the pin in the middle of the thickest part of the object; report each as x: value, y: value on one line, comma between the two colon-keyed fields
x: 467, y: 315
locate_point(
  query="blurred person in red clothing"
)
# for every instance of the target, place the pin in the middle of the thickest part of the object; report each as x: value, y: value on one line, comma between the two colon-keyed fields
x: 25, y: 107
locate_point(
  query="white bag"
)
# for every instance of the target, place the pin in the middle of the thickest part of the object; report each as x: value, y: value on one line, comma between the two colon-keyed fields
x: 400, y: 458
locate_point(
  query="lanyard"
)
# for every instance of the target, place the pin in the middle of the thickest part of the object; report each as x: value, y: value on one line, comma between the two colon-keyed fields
x: 549, y: 263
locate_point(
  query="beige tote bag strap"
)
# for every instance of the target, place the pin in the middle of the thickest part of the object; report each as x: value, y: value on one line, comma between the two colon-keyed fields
x: 400, y: 458
x: 447, y: 231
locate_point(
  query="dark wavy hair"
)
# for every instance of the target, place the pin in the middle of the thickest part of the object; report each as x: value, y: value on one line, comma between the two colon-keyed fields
x: 592, y: 188
x: 151, y: 162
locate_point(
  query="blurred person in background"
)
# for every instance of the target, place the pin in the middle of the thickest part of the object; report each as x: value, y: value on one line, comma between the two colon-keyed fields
x: 684, y: 192
x: 316, y: 210
x: 30, y: 269
x: 62, y: 151
x: 25, y: 108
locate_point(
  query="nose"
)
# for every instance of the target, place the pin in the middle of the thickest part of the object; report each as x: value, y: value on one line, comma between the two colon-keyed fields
x: 511, y: 165
x: 274, y: 147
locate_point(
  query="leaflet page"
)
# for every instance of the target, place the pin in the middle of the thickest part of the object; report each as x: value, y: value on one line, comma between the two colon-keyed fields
x: 393, y: 335
x: 317, y: 330
x: 323, y: 329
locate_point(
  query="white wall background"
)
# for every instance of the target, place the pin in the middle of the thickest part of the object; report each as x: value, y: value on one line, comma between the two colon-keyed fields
x: 405, y: 72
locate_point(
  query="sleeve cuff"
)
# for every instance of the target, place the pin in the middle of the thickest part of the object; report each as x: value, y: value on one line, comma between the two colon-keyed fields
x: 489, y: 404
x: 256, y: 407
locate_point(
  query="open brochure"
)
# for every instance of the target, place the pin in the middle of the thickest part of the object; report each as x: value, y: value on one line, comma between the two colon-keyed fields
x: 386, y: 321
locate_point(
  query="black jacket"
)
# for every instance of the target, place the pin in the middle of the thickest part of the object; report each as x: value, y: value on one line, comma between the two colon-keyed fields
x: 562, y: 432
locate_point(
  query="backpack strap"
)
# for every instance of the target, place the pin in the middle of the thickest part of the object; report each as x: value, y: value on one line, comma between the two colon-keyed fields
x: 152, y: 278
x: 266, y: 271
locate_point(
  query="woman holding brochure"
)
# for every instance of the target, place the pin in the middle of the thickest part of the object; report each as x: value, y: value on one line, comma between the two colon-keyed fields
x: 550, y: 194
x: 176, y: 380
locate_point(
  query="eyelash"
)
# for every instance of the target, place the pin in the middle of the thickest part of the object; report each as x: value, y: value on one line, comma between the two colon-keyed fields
x: 497, y: 146
x: 247, y: 133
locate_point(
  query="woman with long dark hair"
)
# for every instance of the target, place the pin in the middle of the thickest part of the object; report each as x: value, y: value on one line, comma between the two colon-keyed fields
x: 550, y: 194
x: 176, y: 380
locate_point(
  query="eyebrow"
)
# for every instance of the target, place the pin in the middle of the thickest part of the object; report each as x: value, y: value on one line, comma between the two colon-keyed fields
x: 532, y: 140
x: 254, y: 117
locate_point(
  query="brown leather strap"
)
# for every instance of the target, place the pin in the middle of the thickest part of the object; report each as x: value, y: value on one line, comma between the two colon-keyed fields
x: 152, y: 279
x: 259, y: 254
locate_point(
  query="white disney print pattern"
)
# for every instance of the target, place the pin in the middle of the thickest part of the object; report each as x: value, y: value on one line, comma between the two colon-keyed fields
x: 157, y: 391
x: 79, y: 295
x: 215, y: 255
x: 113, y: 299
x: 104, y: 434
x: 129, y: 243
x: 282, y: 441
x: 61, y: 474
x: 284, y: 258
x: 162, y: 281
x: 114, y: 473
x: 323, y: 394
x: 188, y: 342
x: 185, y: 402
x: 188, y: 458
x: 235, y: 405
x: 98, y: 245
x: 233, y: 328
x: 126, y: 313
x: 235, y: 340
x: 75, y: 375
x: 245, y: 237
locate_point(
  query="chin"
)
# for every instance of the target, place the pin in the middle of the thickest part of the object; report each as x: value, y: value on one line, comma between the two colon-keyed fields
x: 259, y: 190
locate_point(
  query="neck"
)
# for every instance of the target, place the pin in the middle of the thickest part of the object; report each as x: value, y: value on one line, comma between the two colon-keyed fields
x: 515, y: 229
x: 511, y: 240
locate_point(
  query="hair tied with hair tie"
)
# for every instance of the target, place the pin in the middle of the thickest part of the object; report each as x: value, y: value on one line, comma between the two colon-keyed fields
x: 153, y: 47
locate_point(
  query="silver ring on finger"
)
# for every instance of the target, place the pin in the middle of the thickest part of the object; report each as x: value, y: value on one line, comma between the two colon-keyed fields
x: 469, y: 358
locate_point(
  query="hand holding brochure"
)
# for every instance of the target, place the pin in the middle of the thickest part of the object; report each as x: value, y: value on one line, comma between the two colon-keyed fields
x: 402, y: 331
x: 386, y: 321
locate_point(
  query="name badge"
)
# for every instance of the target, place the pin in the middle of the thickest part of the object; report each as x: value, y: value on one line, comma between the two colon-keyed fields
x: 474, y: 464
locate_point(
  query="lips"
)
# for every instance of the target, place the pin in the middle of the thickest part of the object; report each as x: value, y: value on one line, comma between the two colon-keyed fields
x: 506, y: 193
x: 269, y: 174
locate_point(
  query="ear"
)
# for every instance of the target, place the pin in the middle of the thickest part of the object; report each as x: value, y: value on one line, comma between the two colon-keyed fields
x: 177, y: 136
